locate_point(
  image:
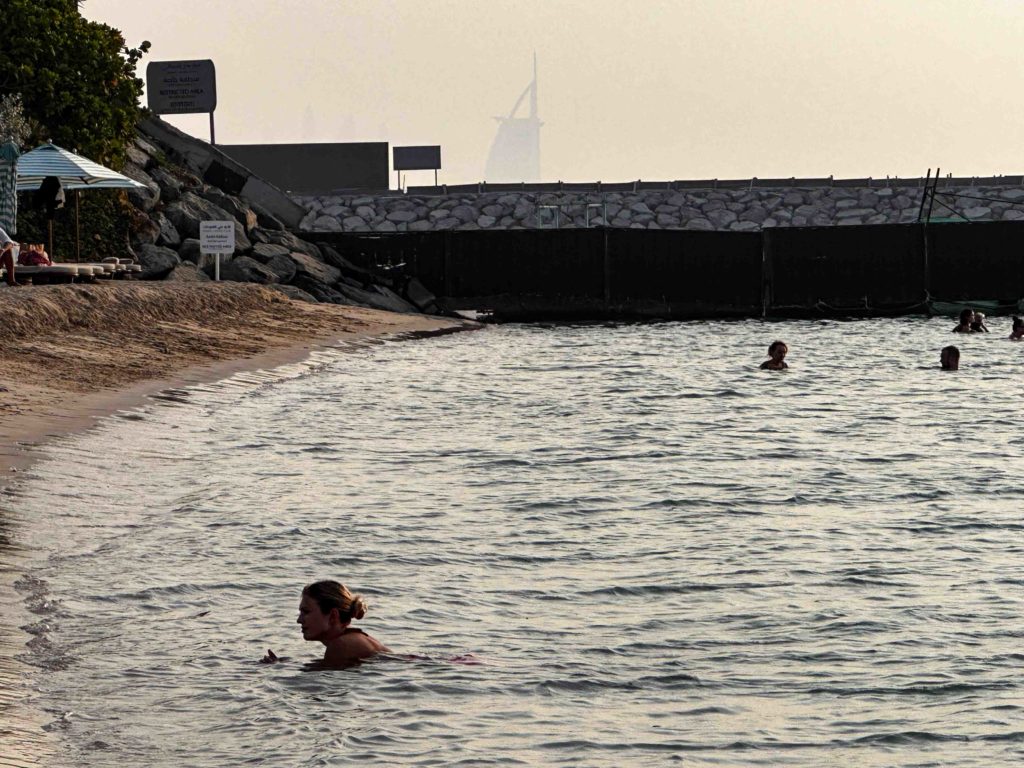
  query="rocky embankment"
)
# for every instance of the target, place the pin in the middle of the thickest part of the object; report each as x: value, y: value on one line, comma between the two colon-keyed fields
x: 165, y: 240
x: 740, y: 210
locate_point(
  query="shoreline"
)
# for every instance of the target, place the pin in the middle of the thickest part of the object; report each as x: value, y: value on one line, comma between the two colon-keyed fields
x: 65, y: 371
x: 23, y: 435
x: 70, y: 355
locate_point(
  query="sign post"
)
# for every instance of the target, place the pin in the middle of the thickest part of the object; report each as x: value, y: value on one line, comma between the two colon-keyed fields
x: 182, y: 87
x: 424, y: 158
x: 217, y: 237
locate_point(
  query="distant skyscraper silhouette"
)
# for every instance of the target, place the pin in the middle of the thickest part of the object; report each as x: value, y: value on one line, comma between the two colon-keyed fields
x: 515, y: 153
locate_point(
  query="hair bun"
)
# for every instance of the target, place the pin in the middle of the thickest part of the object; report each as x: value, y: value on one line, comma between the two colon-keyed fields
x: 358, y: 607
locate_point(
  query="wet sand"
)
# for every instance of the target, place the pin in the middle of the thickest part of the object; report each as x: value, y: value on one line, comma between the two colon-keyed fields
x: 70, y: 355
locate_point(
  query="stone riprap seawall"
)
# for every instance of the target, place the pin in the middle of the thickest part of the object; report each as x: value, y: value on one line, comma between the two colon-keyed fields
x: 741, y: 210
x: 177, y: 196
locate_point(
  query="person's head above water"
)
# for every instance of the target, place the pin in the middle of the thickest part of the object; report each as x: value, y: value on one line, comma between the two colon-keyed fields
x: 325, y: 612
x: 777, y: 352
x: 949, y: 358
x: 966, y: 320
x: 1018, y: 328
x: 328, y: 607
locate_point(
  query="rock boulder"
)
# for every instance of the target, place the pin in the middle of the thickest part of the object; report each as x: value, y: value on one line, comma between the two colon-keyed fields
x: 187, y: 213
x: 168, y: 234
x: 157, y: 261
x: 315, y: 269
x: 282, y: 266
x: 244, y: 269
x: 320, y: 291
x: 242, y: 213
x: 147, y: 196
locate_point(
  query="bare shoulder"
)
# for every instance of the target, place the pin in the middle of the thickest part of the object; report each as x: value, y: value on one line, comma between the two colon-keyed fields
x: 354, y: 645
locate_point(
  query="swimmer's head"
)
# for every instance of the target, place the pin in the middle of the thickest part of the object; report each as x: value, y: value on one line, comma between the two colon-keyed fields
x: 331, y: 595
x: 1018, y: 323
x: 777, y: 350
x: 949, y: 358
x: 966, y: 315
x: 979, y: 317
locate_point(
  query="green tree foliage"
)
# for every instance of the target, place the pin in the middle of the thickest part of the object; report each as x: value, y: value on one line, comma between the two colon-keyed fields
x: 76, y: 77
x: 13, y: 123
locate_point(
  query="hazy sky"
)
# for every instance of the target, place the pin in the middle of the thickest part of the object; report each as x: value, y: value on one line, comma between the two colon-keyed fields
x: 669, y: 89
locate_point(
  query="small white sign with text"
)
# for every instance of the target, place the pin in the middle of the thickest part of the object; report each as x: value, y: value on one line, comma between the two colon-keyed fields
x: 217, y: 237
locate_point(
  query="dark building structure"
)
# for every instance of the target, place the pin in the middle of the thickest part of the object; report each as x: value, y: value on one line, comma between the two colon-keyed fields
x: 310, y: 169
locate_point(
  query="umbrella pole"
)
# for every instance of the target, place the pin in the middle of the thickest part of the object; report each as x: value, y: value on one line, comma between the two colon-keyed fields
x: 51, y: 238
x: 78, y: 234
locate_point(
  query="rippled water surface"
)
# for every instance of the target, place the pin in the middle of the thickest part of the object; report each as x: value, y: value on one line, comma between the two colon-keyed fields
x: 658, y: 553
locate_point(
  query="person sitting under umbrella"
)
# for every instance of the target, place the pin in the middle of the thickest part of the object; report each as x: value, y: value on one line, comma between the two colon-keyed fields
x: 7, y: 246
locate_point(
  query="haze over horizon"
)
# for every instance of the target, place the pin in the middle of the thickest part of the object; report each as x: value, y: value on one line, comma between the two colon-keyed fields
x: 686, y: 89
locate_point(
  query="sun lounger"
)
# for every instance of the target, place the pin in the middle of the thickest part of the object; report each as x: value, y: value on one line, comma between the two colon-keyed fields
x: 102, y: 269
x: 89, y: 270
x: 68, y: 273
x: 126, y: 268
x: 55, y: 273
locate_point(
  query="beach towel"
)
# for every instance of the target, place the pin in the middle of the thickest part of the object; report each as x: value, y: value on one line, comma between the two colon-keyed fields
x: 33, y: 258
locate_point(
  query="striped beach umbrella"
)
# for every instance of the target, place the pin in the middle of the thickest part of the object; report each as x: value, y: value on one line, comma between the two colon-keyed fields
x: 74, y: 171
x: 9, y: 154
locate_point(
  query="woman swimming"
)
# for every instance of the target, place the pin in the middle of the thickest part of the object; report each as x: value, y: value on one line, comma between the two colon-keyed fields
x: 1017, y: 332
x: 777, y: 353
x: 966, y: 319
x: 325, y: 612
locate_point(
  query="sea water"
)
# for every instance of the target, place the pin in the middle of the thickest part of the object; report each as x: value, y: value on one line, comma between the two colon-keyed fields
x: 655, y: 553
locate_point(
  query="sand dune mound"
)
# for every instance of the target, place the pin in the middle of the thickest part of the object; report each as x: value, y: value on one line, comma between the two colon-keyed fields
x: 128, y: 307
x: 80, y: 338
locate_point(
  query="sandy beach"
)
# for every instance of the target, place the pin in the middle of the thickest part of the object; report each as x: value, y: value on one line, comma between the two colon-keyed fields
x: 70, y: 355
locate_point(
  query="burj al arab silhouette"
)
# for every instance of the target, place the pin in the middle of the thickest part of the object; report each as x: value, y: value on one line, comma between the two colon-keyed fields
x: 515, y: 153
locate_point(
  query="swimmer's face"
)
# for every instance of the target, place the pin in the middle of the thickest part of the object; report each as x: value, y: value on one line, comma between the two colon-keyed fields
x: 779, y: 353
x: 314, y: 623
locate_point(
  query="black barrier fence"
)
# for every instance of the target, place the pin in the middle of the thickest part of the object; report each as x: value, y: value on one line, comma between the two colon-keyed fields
x: 552, y: 264
x: 976, y: 261
x: 607, y: 272
x: 844, y: 269
x: 691, y: 272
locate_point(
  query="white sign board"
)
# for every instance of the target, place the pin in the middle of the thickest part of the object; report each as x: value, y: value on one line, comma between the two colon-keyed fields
x: 217, y: 236
x: 181, y: 87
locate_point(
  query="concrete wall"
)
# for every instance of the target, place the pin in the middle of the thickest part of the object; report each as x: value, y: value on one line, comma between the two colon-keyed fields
x: 220, y: 170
